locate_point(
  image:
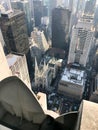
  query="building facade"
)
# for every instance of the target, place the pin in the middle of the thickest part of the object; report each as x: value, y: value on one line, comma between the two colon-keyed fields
x: 13, y: 27
x: 18, y: 66
x: 4, y: 68
x: 24, y: 6
x: 90, y: 7
x: 80, y: 7
x: 60, y: 27
x: 94, y: 91
x: 5, y: 5
x: 38, y: 12
x: 39, y: 38
x: 39, y: 45
x: 72, y: 83
x: 1, y: 39
x: 81, y: 42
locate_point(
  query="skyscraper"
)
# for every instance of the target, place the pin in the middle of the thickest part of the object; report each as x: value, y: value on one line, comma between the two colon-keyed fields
x: 39, y: 39
x: 80, y: 6
x: 65, y: 3
x: 6, y: 4
x: 60, y: 27
x: 31, y: 8
x: 1, y: 39
x: 81, y: 42
x: 13, y: 27
x: 4, y: 68
x: 51, y: 5
x: 18, y: 66
x: 71, y: 5
x: 24, y: 6
x: 38, y: 45
x: 90, y: 7
x: 38, y: 12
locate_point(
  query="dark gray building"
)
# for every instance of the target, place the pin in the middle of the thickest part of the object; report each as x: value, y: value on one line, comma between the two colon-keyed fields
x: 13, y: 27
x: 94, y: 91
x: 60, y: 27
x: 24, y: 6
x: 38, y: 12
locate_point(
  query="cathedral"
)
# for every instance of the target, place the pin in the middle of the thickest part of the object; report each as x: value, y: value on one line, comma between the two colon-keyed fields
x: 44, y: 74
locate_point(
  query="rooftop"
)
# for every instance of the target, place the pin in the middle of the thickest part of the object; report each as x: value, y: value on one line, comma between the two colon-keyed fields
x: 11, y: 59
x: 42, y: 100
x: 74, y: 76
x: 89, y: 116
x: 11, y: 13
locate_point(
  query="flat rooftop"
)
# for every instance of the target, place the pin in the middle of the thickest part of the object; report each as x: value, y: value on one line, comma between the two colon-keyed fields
x: 42, y: 100
x: 11, y: 13
x: 11, y: 59
x: 74, y: 76
x: 89, y: 117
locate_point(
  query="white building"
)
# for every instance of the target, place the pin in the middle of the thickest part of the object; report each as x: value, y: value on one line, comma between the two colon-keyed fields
x: 45, y: 20
x: 18, y: 66
x: 72, y: 83
x: 42, y: 99
x: 5, y: 5
x: 4, y: 68
x: 82, y: 41
x: 39, y: 39
x: 38, y: 44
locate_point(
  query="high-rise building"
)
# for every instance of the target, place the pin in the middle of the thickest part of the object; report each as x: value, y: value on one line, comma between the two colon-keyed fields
x: 80, y: 7
x: 39, y: 45
x: 51, y: 4
x: 18, y: 66
x: 13, y: 27
x: 90, y: 7
x: 72, y: 83
x: 1, y: 39
x: 94, y: 91
x: 4, y: 68
x: 81, y: 42
x: 6, y: 5
x: 23, y: 5
x: 60, y: 27
x: 96, y: 17
x: 38, y: 12
x: 71, y: 5
x: 65, y: 3
x: 39, y: 38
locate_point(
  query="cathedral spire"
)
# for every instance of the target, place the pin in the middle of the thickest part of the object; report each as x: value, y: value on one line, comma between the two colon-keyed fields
x: 36, y: 67
x: 44, y: 67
